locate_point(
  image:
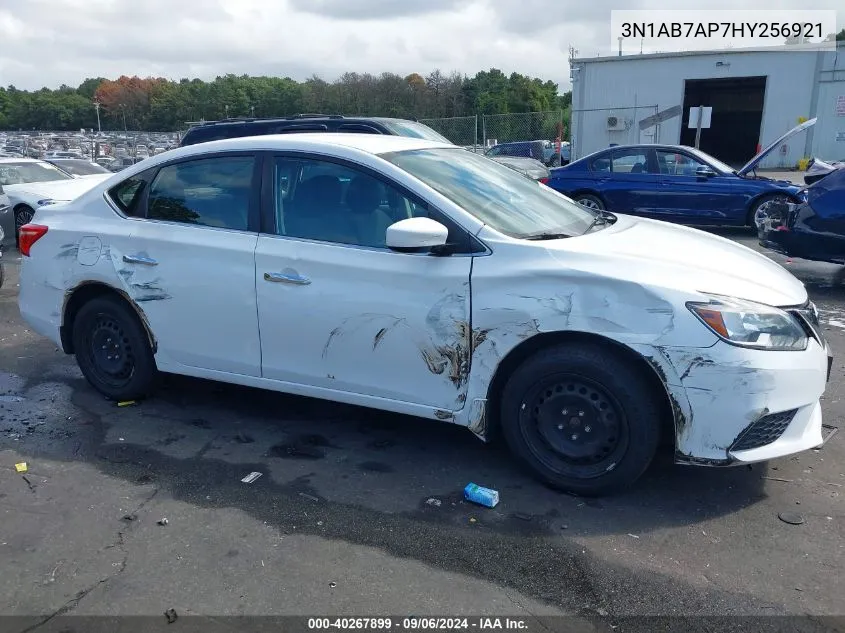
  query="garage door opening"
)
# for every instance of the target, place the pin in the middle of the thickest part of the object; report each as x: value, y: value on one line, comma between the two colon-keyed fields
x: 734, y: 130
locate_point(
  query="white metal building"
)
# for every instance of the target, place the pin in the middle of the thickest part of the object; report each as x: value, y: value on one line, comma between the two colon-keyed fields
x: 756, y: 96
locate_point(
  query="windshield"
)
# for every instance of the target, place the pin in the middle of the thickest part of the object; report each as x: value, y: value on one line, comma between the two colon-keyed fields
x: 497, y: 195
x: 714, y: 162
x: 82, y: 167
x: 35, y: 171
x: 414, y: 130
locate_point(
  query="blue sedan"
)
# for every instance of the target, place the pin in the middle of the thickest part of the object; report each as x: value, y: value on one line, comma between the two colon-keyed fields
x: 674, y: 183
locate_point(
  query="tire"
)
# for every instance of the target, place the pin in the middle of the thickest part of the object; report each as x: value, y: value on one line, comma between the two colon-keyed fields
x: 759, y: 209
x: 112, y: 349
x: 23, y: 215
x: 590, y: 201
x: 558, y: 396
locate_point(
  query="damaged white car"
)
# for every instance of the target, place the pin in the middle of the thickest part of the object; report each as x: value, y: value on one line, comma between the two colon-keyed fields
x: 419, y: 278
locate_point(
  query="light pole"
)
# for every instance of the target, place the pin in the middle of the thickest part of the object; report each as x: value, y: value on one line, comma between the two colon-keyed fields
x: 123, y: 109
x: 97, y: 108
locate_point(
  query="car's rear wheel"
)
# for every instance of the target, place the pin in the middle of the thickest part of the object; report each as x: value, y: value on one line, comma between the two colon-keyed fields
x: 766, y: 210
x: 590, y: 201
x: 112, y: 349
x: 581, y: 418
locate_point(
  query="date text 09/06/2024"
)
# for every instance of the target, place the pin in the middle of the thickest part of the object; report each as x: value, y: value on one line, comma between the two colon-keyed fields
x: 417, y: 623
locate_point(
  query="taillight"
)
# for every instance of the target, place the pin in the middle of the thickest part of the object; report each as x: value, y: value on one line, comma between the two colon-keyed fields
x: 28, y: 235
x: 545, y: 181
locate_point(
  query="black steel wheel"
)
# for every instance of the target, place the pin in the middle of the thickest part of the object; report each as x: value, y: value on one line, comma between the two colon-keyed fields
x: 112, y: 349
x: 573, y: 425
x: 582, y: 418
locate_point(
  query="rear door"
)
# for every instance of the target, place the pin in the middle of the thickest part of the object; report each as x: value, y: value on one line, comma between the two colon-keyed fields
x: 628, y: 186
x: 190, y: 262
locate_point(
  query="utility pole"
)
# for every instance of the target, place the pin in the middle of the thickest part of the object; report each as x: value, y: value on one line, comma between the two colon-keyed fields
x: 227, y: 110
x: 97, y: 108
x: 698, y: 127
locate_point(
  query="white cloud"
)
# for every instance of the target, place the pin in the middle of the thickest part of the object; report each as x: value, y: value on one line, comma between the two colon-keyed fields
x: 50, y: 42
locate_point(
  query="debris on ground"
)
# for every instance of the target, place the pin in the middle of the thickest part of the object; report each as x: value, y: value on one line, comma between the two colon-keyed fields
x: 633, y: 535
x: 786, y: 481
x: 472, y: 520
x: 162, y: 521
x: 9, y: 398
x: 129, y: 517
x: 793, y: 518
x: 483, y: 496
x: 522, y: 516
x: 433, y: 502
x: 307, y: 496
x: 21, y: 467
x: 126, y: 403
x: 171, y: 616
x: 251, y: 477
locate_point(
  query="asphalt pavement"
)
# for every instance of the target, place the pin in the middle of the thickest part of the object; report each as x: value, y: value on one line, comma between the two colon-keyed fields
x: 358, y: 512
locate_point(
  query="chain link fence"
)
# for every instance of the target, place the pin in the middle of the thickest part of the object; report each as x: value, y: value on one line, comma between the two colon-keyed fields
x: 461, y: 130
x: 482, y: 132
x: 596, y: 128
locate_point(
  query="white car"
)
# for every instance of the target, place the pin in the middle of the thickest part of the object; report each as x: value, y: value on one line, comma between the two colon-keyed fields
x: 32, y: 183
x: 419, y: 278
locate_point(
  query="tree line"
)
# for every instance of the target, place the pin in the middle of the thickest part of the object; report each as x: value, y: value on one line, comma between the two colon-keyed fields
x: 158, y: 104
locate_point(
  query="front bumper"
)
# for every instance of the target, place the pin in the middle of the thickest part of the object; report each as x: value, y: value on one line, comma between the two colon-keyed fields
x: 736, y: 405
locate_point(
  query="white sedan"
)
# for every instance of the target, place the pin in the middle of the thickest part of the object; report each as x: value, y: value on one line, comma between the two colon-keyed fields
x: 419, y: 278
x: 32, y: 183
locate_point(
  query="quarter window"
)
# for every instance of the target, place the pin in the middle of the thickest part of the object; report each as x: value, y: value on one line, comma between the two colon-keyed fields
x: 209, y: 192
x: 128, y: 194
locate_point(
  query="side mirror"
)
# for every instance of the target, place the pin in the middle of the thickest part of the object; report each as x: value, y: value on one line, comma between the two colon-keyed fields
x: 704, y: 172
x: 416, y: 235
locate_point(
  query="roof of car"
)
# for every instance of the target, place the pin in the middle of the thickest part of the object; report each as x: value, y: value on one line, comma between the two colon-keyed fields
x: 369, y: 143
x: 12, y: 159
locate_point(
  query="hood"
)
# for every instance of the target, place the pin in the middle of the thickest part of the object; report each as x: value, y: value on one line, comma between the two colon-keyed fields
x: 688, y: 260
x: 750, y: 165
x: 57, y: 189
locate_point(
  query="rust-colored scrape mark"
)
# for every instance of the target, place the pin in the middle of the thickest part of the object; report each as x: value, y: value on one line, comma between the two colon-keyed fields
x: 379, y: 335
x: 435, y: 364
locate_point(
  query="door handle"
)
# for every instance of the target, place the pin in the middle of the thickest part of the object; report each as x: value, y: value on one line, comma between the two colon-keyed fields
x: 286, y: 278
x: 140, y: 259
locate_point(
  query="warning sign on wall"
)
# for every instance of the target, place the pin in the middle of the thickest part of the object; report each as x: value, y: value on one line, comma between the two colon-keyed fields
x: 840, y: 105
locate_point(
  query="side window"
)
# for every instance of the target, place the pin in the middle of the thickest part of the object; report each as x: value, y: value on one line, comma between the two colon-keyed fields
x: 601, y: 163
x: 329, y: 202
x: 675, y: 164
x: 629, y: 161
x: 495, y: 151
x: 127, y: 195
x: 209, y: 192
x: 357, y: 128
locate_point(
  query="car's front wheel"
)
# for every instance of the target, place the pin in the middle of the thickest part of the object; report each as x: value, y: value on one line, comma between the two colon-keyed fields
x: 581, y: 418
x: 768, y: 211
x: 590, y: 201
x: 112, y: 349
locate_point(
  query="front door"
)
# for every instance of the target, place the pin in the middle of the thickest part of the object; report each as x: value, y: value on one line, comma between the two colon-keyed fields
x: 688, y: 197
x: 340, y: 311
x: 190, y: 263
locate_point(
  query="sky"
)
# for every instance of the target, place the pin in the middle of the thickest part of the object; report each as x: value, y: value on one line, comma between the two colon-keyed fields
x: 54, y: 42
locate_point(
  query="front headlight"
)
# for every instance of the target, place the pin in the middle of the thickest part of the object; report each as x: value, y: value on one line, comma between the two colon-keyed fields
x: 749, y: 324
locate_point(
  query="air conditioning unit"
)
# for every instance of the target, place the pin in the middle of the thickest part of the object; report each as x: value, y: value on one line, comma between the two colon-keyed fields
x: 616, y: 123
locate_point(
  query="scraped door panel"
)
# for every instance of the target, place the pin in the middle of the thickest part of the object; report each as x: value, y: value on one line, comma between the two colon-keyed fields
x: 364, y: 321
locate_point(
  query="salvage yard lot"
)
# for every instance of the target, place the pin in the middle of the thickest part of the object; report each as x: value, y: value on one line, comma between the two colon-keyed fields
x: 360, y: 512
